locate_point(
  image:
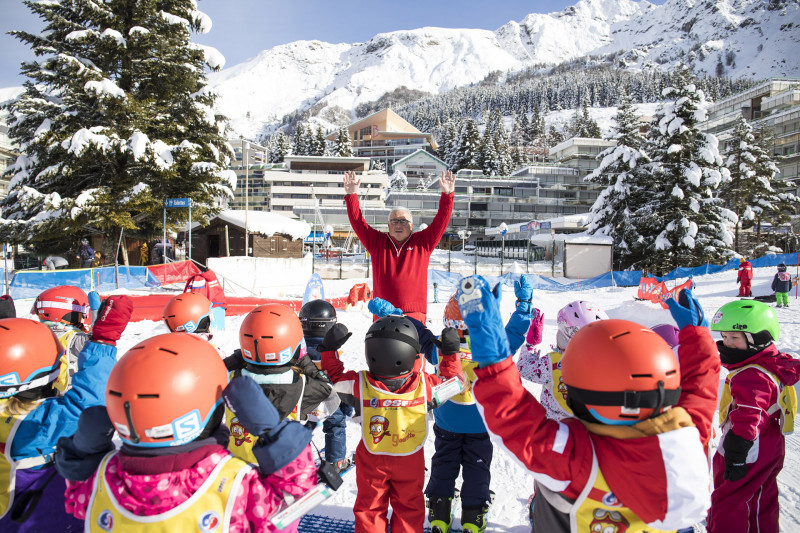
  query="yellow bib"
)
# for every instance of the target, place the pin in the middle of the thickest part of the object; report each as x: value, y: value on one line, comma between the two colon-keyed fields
x: 208, y: 510
x: 394, y: 424
x: 241, y: 442
x: 469, y: 366
x: 8, y: 466
x: 559, y: 389
x: 597, y: 509
x: 786, y: 404
x: 64, y: 379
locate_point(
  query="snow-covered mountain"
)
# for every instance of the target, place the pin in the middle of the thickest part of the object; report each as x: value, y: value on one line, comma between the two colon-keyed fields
x: 753, y: 38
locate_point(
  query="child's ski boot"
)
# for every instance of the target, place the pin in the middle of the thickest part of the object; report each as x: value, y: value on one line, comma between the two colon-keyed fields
x: 440, y: 513
x: 475, y: 517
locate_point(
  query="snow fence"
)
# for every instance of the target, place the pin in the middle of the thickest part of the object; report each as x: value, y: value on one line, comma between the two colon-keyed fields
x: 615, y: 278
x: 30, y: 283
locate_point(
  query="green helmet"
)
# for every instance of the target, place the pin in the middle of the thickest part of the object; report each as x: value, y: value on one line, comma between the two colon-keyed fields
x: 748, y: 316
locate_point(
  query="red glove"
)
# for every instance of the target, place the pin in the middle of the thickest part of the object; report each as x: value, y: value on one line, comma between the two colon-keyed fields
x: 450, y: 365
x: 534, y: 336
x: 112, y: 317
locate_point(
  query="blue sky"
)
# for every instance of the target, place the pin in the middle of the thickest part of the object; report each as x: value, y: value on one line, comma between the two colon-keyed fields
x: 242, y: 28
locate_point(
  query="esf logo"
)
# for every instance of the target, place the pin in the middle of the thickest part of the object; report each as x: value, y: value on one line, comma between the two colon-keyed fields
x: 610, y: 500
x: 373, y: 402
x: 106, y: 520
x: 209, y: 521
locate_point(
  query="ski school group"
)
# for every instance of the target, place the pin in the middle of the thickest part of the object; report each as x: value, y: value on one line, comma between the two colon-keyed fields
x: 622, y: 438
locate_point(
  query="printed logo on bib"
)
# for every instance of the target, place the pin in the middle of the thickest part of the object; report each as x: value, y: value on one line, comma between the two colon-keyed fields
x: 106, y: 520
x: 209, y: 521
x: 605, y: 521
x: 610, y: 500
x: 378, y: 428
x: 239, y: 434
x: 389, y: 402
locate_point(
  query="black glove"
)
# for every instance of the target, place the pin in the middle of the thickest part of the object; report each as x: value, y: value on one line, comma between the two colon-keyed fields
x: 7, y: 309
x: 234, y: 361
x: 78, y: 456
x: 334, y: 338
x: 448, y: 342
x: 736, y: 449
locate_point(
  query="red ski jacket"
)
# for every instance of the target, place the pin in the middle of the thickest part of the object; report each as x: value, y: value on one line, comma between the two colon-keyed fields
x: 400, y: 269
x: 649, y: 473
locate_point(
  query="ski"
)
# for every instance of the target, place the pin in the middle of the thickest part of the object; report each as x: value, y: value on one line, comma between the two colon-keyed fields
x: 293, y: 510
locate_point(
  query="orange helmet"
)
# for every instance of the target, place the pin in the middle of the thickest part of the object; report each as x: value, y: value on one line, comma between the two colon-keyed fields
x: 619, y: 372
x: 453, y: 318
x: 189, y: 312
x: 63, y: 304
x: 271, y: 335
x: 164, y: 391
x: 29, y: 355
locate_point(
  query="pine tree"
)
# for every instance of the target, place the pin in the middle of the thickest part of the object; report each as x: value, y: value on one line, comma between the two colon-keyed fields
x: 116, y: 117
x: 299, y: 140
x: 750, y: 193
x: 624, y: 174
x: 467, y: 153
x: 685, y: 223
x: 398, y: 181
x: 343, y: 146
x: 320, y: 146
x: 281, y: 147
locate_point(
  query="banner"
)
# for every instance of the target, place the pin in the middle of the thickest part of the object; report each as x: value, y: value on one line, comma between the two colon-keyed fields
x: 314, y: 289
x: 176, y: 272
x: 657, y: 291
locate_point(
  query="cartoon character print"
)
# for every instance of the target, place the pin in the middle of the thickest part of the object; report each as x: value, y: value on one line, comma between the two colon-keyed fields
x: 606, y: 521
x: 562, y: 388
x: 239, y: 434
x: 378, y: 428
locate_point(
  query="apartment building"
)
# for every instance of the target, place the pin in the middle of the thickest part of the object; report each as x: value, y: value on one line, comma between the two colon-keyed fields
x: 773, y: 105
x: 386, y: 137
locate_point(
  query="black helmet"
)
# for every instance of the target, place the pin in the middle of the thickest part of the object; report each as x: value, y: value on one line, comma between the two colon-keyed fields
x: 317, y: 317
x: 391, y: 346
x: 782, y: 268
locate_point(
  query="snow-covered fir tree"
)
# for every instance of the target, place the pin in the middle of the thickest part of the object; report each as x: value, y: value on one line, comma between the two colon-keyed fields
x: 624, y: 173
x: 318, y: 144
x: 685, y: 224
x: 398, y: 181
x: 342, y: 145
x: 280, y: 147
x: 467, y: 151
x: 377, y: 164
x: 751, y: 192
x: 300, y: 140
x: 107, y: 133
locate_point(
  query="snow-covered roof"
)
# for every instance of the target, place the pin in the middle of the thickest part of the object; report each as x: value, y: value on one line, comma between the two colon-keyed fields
x: 574, y: 238
x: 267, y: 223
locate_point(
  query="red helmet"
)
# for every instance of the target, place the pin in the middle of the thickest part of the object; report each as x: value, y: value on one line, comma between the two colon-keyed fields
x: 164, y: 390
x: 189, y: 312
x: 619, y: 372
x: 453, y: 318
x: 63, y: 304
x: 29, y: 355
x: 271, y: 335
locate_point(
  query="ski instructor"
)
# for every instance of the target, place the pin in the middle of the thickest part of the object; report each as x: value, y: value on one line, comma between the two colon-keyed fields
x: 400, y: 257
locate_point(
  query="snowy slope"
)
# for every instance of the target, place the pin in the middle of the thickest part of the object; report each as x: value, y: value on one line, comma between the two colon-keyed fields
x: 510, y: 482
x: 742, y: 36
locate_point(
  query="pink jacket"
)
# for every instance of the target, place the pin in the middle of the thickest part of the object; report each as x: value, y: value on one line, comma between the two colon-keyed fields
x: 145, y: 494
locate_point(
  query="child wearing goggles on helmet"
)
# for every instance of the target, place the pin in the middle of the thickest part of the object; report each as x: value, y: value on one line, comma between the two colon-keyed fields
x: 393, y: 398
x: 632, y: 457
x: 33, y: 416
x: 166, y: 399
x: 273, y: 354
x: 756, y: 407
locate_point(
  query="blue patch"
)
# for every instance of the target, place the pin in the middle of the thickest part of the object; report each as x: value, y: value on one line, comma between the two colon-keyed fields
x: 209, y: 521
x: 106, y: 520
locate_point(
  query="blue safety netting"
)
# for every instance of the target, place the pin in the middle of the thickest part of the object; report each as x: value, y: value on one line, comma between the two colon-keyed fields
x: 30, y: 283
x: 324, y: 524
x: 625, y: 278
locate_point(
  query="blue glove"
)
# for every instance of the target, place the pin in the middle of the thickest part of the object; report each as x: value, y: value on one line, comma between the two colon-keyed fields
x: 481, y: 312
x: 250, y: 405
x: 381, y: 308
x: 687, y: 311
x: 94, y: 301
x: 524, y: 293
x: 78, y: 456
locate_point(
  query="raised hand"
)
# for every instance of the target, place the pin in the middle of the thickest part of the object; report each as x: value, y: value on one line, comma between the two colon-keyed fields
x: 351, y: 182
x: 447, y: 183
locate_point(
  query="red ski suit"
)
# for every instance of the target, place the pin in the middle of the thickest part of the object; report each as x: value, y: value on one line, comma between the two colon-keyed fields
x: 400, y: 269
x: 385, y: 479
x: 751, y: 504
x: 647, y: 472
x: 745, y: 276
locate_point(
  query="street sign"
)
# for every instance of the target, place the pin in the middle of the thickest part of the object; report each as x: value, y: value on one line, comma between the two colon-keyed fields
x: 178, y: 202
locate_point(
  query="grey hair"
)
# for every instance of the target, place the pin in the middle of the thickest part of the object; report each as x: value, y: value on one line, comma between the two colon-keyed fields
x: 404, y: 210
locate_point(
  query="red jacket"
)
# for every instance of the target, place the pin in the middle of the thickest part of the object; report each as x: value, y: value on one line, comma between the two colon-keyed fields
x: 642, y: 472
x: 400, y: 270
x: 745, y: 271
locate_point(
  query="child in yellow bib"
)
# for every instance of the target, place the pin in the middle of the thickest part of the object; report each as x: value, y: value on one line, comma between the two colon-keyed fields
x: 391, y: 398
x: 756, y: 408
x: 165, y: 398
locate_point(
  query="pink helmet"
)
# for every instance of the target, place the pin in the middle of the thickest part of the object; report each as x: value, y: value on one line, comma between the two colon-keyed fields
x: 574, y: 316
x: 668, y: 332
